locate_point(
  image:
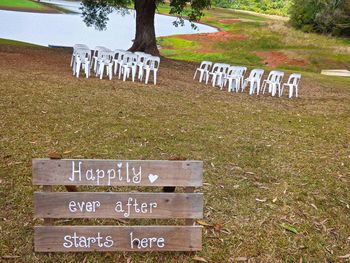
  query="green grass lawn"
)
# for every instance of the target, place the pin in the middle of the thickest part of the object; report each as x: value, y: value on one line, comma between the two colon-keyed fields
x: 24, y: 4
x: 268, y: 162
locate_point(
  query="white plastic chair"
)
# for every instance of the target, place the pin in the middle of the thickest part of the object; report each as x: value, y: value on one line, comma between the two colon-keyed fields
x: 293, y: 85
x: 128, y: 66
x: 118, y: 59
x: 273, y: 82
x: 105, y: 59
x: 152, y: 63
x: 96, y: 56
x: 203, y: 70
x: 254, y: 80
x: 218, y: 74
x: 75, y: 48
x: 234, y: 77
x: 82, y: 60
x: 140, y: 62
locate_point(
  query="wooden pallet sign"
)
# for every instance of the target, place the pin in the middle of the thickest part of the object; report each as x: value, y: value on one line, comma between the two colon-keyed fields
x: 51, y: 205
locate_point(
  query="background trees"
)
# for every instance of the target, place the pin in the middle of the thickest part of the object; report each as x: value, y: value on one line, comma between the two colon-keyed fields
x: 322, y: 16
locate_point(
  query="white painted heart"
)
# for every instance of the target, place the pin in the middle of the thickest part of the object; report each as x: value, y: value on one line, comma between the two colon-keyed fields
x: 152, y: 178
x: 119, y: 165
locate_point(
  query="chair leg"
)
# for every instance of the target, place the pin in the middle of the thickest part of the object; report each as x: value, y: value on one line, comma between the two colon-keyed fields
x: 102, y: 67
x: 201, y: 76
x: 154, y: 77
x: 78, y: 69
x: 147, y: 76
x: 110, y: 71
x: 126, y: 72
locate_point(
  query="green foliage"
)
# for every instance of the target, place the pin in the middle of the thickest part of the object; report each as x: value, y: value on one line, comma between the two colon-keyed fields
x: 277, y: 7
x: 21, y: 4
x: 322, y: 16
x: 96, y: 12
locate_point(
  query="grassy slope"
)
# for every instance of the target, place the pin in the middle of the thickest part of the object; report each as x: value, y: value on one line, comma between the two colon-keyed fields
x: 267, y: 161
x: 22, y: 4
x: 262, y: 34
x: 14, y: 43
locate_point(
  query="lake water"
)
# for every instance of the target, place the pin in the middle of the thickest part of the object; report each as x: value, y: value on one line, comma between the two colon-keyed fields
x: 69, y: 29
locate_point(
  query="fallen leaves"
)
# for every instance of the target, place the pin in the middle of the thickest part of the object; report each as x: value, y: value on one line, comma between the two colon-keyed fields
x: 289, y: 228
x: 9, y: 257
x: 347, y: 256
x: 202, y: 223
x: 200, y: 259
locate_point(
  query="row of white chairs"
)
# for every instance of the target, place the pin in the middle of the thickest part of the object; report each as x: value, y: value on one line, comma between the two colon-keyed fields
x: 119, y: 62
x: 223, y: 75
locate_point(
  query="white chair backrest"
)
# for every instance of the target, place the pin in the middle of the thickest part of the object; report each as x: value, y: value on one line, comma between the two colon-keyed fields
x: 140, y: 53
x: 153, y: 62
x: 233, y: 71
x: 83, y: 54
x: 220, y: 68
x: 243, y: 70
x: 294, y: 79
x: 117, y: 53
x: 80, y: 46
x: 97, y: 50
x: 278, y: 76
x: 129, y: 58
x: 215, y: 67
x: 106, y: 55
x: 206, y: 65
x: 141, y: 57
x: 256, y: 74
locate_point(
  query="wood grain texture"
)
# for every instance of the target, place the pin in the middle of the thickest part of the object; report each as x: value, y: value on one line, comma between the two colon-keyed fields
x: 114, y: 238
x: 117, y: 172
x: 110, y: 205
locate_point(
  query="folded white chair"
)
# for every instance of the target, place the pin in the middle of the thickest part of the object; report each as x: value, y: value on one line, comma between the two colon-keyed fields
x: 203, y: 70
x: 293, y: 85
x: 273, y: 82
x: 152, y: 63
x: 254, y: 80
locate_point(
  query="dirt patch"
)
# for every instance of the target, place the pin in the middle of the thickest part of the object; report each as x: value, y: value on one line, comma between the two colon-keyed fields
x: 276, y: 58
x: 230, y: 21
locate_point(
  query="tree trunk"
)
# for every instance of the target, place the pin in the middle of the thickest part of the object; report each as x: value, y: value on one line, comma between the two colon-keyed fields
x: 145, y: 37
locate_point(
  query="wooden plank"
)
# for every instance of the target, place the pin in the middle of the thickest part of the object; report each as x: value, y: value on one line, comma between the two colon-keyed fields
x: 118, y: 205
x: 48, y: 221
x: 117, y: 173
x: 190, y: 222
x: 114, y: 238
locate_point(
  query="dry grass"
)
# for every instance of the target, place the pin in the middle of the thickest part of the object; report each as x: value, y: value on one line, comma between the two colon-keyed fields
x: 267, y: 161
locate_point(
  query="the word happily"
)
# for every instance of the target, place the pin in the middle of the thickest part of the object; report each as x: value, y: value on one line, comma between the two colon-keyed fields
x: 115, y: 173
